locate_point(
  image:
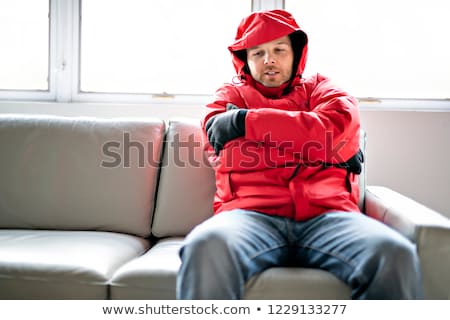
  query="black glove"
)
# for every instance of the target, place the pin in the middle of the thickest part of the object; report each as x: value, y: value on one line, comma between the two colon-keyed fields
x: 354, y: 164
x: 231, y: 106
x: 224, y: 127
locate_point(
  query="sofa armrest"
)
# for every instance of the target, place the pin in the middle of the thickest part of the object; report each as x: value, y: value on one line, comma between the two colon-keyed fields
x: 428, y: 229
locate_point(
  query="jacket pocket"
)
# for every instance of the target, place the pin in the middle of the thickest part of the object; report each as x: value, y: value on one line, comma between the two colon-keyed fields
x: 327, y: 188
x: 317, y: 190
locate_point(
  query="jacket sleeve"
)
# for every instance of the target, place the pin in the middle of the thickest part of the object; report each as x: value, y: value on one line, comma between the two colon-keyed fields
x: 224, y: 95
x: 328, y: 132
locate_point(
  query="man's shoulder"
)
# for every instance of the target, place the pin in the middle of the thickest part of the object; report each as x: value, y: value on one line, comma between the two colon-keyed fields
x: 234, y: 86
x: 231, y: 92
x: 314, y: 79
x: 319, y: 83
x: 234, y: 89
x: 228, y: 88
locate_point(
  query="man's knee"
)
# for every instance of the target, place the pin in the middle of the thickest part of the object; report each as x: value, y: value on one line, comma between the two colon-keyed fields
x: 393, y: 257
x: 397, y: 252
x: 205, y: 242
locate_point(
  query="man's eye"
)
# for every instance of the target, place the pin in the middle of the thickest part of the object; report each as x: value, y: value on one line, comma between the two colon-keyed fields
x: 257, y: 53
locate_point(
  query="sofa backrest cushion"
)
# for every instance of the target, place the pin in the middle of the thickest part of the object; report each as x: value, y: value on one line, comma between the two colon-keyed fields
x: 78, y: 173
x: 187, y: 184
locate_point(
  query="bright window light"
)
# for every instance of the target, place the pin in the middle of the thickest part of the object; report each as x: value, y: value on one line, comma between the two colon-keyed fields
x: 383, y: 48
x: 159, y: 46
x: 24, y: 38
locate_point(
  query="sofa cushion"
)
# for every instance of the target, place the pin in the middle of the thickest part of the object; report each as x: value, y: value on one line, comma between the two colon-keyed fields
x: 78, y: 173
x: 150, y: 276
x: 39, y: 264
x: 153, y: 276
x: 187, y: 184
x: 296, y: 283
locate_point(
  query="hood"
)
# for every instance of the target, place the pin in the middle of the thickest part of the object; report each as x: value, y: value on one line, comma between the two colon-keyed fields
x: 264, y: 26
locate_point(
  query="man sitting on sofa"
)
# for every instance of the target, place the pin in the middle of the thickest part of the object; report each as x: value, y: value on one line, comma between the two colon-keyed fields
x: 285, y: 150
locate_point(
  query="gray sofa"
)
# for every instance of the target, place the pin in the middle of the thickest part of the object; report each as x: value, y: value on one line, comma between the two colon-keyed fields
x: 96, y: 208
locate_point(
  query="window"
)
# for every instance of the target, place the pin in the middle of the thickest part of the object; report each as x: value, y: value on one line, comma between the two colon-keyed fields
x: 383, y: 49
x: 133, y: 50
x: 159, y: 46
x: 24, y: 36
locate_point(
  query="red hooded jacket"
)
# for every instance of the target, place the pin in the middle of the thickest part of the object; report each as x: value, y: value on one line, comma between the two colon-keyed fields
x: 291, y: 131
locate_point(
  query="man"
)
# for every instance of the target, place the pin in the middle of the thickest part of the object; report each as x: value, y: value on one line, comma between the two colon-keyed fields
x: 286, y: 155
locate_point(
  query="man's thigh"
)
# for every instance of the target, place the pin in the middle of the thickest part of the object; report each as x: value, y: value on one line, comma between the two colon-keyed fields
x: 251, y: 236
x: 342, y: 240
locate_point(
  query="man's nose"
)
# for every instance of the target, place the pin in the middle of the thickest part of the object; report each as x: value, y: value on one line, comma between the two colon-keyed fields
x: 269, y: 59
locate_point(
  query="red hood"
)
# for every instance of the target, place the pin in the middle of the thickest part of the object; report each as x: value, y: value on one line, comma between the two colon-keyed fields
x: 264, y: 26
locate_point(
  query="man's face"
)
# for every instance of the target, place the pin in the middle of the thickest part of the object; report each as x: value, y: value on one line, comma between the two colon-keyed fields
x: 270, y: 63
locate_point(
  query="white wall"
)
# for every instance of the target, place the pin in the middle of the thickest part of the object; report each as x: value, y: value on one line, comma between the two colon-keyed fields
x: 410, y: 152
x: 407, y: 151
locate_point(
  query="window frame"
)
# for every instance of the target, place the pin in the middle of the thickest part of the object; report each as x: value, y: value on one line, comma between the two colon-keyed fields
x: 64, y: 70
